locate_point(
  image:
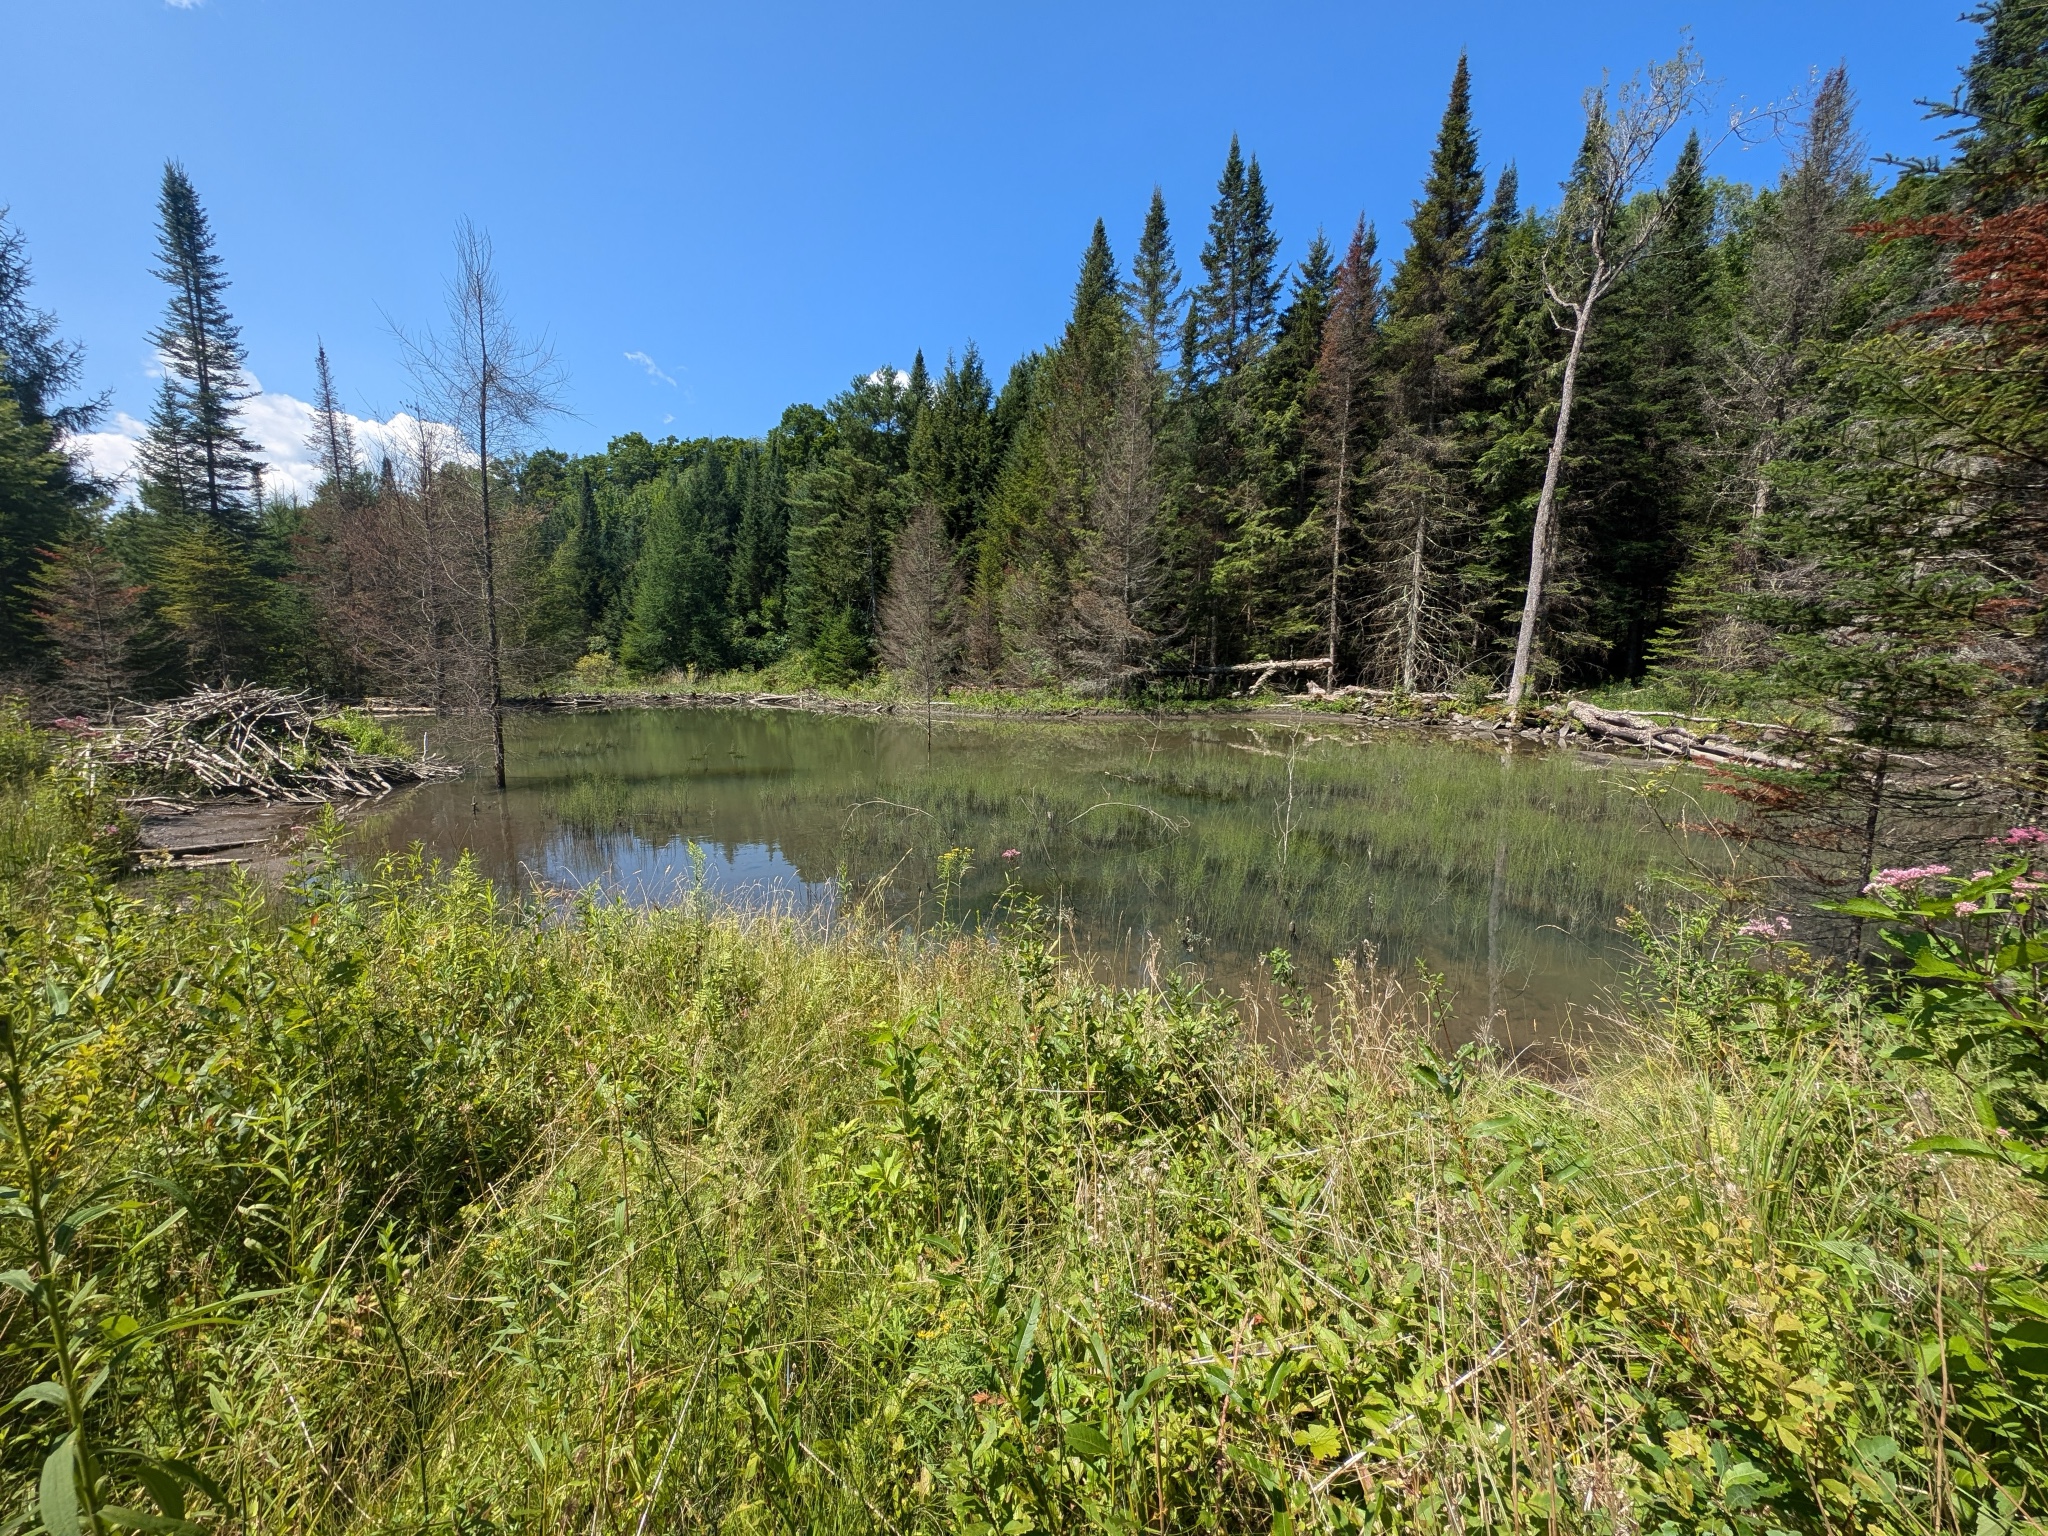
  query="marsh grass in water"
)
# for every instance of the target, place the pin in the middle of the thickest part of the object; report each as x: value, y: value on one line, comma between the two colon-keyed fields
x: 1157, y: 849
x: 675, y: 1218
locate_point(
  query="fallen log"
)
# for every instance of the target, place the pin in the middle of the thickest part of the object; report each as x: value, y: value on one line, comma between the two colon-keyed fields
x: 1671, y: 740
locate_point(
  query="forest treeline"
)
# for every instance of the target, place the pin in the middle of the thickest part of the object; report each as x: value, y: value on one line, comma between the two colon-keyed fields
x: 1802, y: 460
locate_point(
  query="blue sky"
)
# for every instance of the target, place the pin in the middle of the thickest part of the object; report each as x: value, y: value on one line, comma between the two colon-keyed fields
x: 715, y: 210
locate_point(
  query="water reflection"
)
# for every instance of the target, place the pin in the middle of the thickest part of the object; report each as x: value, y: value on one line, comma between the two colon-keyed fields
x: 1156, y: 848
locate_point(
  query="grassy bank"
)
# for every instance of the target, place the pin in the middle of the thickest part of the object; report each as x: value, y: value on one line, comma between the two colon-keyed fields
x: 384, y: 1207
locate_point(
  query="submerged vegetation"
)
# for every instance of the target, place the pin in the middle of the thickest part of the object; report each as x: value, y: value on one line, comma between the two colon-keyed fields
x: 377, y: 1204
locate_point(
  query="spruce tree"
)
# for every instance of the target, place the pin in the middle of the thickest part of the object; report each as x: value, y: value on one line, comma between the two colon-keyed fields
x: 1443, y: 231
x: 1154, y: 297
x: 332, y: 441
x: 1343, y: 421
x: 36, y: 363
x: 195, y: 460
x: 953, y: 460
x: 679, y: 612
x: 42, y: 494
x: 1638, y: 472
x: 1231, y: 316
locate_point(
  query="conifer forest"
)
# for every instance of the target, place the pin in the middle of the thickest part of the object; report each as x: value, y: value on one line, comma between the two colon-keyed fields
x: 1617, y: 608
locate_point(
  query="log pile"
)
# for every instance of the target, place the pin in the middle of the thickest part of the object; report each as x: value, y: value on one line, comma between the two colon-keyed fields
x: 1714, y: 749
x: 252, y: 741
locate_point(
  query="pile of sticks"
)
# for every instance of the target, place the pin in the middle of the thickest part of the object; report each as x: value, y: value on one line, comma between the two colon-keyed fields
x: 1613, y: 725
x: 253, y: 741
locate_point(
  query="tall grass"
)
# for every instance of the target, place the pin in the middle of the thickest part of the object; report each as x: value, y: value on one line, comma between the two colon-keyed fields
x: 674, y: 1220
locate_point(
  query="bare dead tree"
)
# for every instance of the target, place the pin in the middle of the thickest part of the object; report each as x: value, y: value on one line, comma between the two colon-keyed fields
x: 1121, y: 563
x: 1595, y: 246
x: 920, y: 617
x: 1416, y: 505
x: 493, y: 386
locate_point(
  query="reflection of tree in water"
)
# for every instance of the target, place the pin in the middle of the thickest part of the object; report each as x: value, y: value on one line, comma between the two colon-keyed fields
x: 1207, y: 844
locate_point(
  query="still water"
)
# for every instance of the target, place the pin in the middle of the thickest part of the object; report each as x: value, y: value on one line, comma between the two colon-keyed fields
x: 1195, y: 848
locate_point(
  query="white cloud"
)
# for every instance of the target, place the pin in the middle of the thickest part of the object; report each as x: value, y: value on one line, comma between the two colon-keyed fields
x: 279, y: 424
x: 184, y: 5
x: 653, y: 368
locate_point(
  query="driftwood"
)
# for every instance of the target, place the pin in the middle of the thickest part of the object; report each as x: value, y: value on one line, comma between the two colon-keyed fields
x: 1613, y: 725
x: 253, y: 741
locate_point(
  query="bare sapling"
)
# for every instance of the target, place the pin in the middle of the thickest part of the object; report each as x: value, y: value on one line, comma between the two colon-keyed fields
x: 1598, y: 239
x: 493, y: 386
x: 921, y: 608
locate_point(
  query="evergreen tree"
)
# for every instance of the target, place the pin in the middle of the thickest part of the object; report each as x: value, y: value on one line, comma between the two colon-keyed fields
x: 333, y: 441
x: 1269, y: 567
x: 1431, y: 279
x: 91, y: 612
x: 215, y: 602
x: 39, y: 509
x: 952, y: 455
x: 2001, y: 113
x: 679, y: 595
x: 36, y: 363
x: 1343, y: 421
x: 760, y: 554
x: 1231, y: 317
x: 195, y: 460
x: 1153, y: 297
x: 1638, y: 475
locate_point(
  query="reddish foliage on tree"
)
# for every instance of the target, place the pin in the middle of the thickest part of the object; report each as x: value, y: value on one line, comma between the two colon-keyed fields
x: 2001, y: 262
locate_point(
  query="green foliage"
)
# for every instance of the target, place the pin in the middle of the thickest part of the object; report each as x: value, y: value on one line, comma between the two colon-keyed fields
x: 420, y: 1208
x: 366, y: 733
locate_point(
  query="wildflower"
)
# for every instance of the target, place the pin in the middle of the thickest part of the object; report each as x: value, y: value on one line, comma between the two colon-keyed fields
x: 1967, y: 909
x: 2022, y: 887
x: 2020, y: 837
x: 1010, y: 853
x: 1892, y: 879
x: 1766, y: 928
x: 1980, y: 874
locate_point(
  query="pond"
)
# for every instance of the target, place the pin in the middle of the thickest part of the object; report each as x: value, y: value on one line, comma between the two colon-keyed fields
x: 1192, y: 848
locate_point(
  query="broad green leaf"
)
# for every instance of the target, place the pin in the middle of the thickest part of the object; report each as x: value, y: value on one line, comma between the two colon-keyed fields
x: 163, y: 1487
x: 49, y: 1392
x: 1086, y: 1440
x: 57, y: 1493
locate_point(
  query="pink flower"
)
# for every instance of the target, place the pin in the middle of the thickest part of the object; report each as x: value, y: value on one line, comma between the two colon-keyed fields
x: 2021, y: 837
x: 1010, y: 853
x: 1766, y: 928
x: 1892, y: 879
x: 1980, y: 874
x: 1967, y: 909
x: 2022, y: 887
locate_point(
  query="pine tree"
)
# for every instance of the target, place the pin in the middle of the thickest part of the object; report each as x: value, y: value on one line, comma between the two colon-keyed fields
x: 195, y: 460
x: 1153, y: 297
